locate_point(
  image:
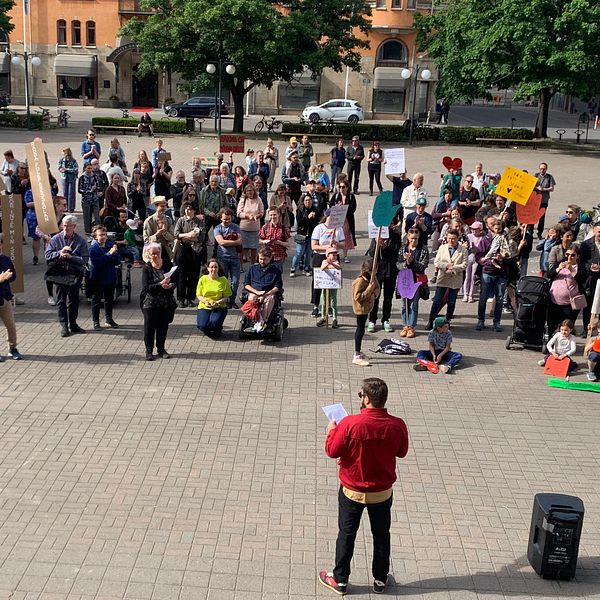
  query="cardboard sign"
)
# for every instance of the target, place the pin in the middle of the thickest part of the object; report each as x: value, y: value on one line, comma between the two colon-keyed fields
x: 531, y: 213
x: 516, y: 185
x: 12, y: 236
x: 406, y: 286
x: 337, y: 216
x: 394, y: 161
x: 558, y: 368
x: 322, y: 158
x: 383, y: 210
x: 328, y: 279
x: 208, y: 162
x: 163, y: 157
x: 232, y: 143
x: 40, y: 187
x: 374, y: 230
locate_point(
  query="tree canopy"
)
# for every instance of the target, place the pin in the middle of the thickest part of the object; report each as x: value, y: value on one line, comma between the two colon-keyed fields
x: 5, y: 7
x: 539, y: 47
x: 266, y: 41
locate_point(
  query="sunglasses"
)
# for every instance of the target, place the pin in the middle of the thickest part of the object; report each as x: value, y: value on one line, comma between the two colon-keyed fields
x: 568, y: 212
x: 360, y: 394
x: 569, y: 254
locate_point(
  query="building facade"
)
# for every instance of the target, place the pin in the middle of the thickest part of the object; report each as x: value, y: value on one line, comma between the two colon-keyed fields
x: 84, y: 61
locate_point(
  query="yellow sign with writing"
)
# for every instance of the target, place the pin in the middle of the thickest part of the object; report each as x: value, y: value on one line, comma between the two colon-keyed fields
x: 516, y: 185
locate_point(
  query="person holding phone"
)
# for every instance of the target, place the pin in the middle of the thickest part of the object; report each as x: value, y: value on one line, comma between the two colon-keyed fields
x: 90, y: 148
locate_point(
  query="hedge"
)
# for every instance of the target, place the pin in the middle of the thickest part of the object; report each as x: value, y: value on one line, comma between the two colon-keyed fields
x: 160, y: 126
x: 12, y: 119
x: 400, y: 133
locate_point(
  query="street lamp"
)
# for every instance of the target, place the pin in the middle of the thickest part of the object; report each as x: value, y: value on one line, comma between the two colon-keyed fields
x: 425, y: 76
x: 35, y: 62
x: 211, y: 69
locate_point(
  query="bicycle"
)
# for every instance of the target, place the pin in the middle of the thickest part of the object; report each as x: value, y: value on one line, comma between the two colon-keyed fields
x: 272, y: 126
x: 45, y: 116
x: 62, y: 120
x: 125, y: 112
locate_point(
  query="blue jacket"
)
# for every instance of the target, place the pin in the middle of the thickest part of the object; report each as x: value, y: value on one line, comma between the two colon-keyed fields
x: 6, y: 265
x: 103, y: 266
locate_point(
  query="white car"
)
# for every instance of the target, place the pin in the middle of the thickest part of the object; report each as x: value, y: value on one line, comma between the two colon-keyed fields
x: 338, y: 110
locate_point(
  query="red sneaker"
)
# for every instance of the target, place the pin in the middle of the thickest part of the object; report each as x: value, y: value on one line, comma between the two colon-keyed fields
x: 329, y: 582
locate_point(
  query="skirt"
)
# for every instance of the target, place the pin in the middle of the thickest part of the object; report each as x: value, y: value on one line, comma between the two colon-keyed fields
x: 249, y: 240
x: 348, y: 241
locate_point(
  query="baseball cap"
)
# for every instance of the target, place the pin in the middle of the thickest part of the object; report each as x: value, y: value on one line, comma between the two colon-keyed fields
x: 476, y: 225
x: 132, y: 223
x: 439, y: 322
x: 421, y: 201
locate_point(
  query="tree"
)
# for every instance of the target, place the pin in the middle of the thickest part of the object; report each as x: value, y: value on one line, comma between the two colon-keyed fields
x: 5, y: 7
x: 266, y: 41
x: 540, y: 47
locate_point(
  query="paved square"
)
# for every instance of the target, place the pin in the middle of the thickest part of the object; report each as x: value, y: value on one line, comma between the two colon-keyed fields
x: 205, y: 476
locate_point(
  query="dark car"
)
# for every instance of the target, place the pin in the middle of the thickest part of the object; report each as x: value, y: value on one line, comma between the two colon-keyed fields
x: 198, y: 106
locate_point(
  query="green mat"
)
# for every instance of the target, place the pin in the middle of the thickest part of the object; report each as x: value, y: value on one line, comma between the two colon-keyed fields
x: 585, y: 386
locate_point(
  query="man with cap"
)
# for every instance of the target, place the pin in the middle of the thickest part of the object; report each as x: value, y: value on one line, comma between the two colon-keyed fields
x: 420, y: 219
x: 440, y: 348
x: 366, y: 446
x: 158, y: 228
x: 355, y: 154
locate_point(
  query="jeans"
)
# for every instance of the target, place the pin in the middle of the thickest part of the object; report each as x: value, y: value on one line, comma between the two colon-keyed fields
x: 452, y: 358
x: 68, y: 189
x: 63, y: 294
x: 108, y: 293
x: 231, y: 270
x: 413, y: 311
x: 349, y: 515
x: 210, y: 322
x: 359, y: 334
x: 88, y: 209
x: 440, y: 292
x: 335, y: 171
x: 491, y: 287
x: 303, y: 252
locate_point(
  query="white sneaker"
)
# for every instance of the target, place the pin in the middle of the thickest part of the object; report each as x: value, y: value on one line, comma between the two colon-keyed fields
x: 360, y: 360
x: 445, y: 369
x: 541, y: 362
x: 591, y: 376
x: 51, y: 301
x: 370, y: 327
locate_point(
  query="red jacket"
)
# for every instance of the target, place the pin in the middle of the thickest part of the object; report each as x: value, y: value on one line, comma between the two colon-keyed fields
x: 367, y: 445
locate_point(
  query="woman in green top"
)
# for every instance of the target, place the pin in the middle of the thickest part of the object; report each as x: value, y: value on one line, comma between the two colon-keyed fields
x: 213, y: 293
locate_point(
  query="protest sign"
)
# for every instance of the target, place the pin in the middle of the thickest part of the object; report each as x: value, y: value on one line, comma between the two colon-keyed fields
x: 232, y: 143
x: 406, y: 286
x: 516, y: 185
x: 12, y: 236
x: 327, y: 279
x: 374, y: 230
x: 40, y: 187
x: 383, y: 210
x: 334, y: 412
x: 558, y: 368
x: 394, y: 161
x: 337, y: 216
x: 531, y: 213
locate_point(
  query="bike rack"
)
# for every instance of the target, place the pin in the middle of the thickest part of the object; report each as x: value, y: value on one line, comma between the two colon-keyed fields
x: 561, y: 132
x: 579, y: 133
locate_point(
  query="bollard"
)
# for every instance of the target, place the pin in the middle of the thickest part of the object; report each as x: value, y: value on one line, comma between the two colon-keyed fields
x: 561, y: 132
x: 579, y: 133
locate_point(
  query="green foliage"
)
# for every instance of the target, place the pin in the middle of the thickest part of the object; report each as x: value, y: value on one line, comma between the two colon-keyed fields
x: 160, y: 126
x: 264, y: 40
x: 19, y: 121
x: 5, y: 24
x: 539, y: 47
x: 467, y: 135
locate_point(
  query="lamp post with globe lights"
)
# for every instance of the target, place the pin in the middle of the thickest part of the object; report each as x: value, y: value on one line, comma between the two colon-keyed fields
x: 425, y: 76
x: 211, y: 69
x: 35, y: 62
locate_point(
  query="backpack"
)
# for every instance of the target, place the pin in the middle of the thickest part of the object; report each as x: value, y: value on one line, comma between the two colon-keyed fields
x: 393, y: 347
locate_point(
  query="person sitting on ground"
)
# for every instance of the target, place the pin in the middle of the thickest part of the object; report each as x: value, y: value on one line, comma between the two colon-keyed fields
x: 331, y: 262
x: 213, y: 293
x: 264, y: 283
x: 145, y: 124
x: 440, y: 348
x: 592, y: 350
x: 562, y: 345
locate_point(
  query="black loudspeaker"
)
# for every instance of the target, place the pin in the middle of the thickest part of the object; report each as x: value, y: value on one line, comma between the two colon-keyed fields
x: 554, y: 535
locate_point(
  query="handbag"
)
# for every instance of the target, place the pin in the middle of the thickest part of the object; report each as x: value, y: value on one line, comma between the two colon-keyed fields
x: 578, y: 302
x: 251, y: 308
x: 62, y: 272
x: 424, y: 287
x: 299, y: 238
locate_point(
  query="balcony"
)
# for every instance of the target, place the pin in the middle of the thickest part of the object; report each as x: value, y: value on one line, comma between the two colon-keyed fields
x: 132, y: 8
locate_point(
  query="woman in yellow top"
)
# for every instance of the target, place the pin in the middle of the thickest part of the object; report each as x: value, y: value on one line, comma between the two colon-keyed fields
x: 213, y: 293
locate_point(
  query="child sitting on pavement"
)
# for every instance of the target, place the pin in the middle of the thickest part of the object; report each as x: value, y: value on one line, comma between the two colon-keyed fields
x: 331, y: 262
x: 562, y: 345
x: 592, y: 350
x: 440, y: 348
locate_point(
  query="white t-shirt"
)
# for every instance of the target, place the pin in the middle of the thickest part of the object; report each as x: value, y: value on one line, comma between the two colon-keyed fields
x: 324, y: 235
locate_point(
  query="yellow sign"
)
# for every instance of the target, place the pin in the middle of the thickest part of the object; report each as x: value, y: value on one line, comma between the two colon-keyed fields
x: 40, y: 187
x: 516, y: 185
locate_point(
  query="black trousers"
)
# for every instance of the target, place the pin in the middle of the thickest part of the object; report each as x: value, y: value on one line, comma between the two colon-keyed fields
x: 374, y: 173
x: 156, y: 326
x: 349, y: 515
x: 541, y: 223
x: 108, y: 293
x: 315, y: 295
x: 189, y: 263
x: 388, y: 286
x: 63, y: 294
x: 359, y: 334
x: 353, y: 174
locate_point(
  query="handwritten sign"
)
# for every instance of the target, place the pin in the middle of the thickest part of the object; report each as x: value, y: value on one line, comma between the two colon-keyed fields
x: 337, y: 216
x: 12, y: 223
x: 558, y: 368
x: 40, y: 187
x: 162, y: 157
x: 406, y: 286
x: 208, y: 162
x: 232, y: 143
x: 531, y: 213
x: 394, y: 161
x: 328, y: 279
x: 516, y: 185
x: 374, y: 230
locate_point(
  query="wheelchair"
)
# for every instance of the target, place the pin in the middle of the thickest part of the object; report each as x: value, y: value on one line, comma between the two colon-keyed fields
x: 123, y: 287
x: 276, y: 324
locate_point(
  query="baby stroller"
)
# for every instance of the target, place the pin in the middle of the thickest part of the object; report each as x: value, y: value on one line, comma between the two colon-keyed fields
x: 529, y: 327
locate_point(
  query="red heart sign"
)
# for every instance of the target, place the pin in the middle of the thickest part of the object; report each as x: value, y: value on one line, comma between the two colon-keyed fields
x: 530, y: 213
x: 457, y: 164
x: 447, y: 162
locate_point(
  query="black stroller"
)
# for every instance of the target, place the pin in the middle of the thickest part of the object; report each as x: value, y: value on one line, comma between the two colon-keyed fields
x: 529, y: 327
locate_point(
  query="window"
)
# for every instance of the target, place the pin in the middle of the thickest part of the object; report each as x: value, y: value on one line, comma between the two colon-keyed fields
x: 61, y: 32
x: 396, y: 3
x: 90, y: 33
x: 411, y: 4
x: 76, y: 33
x: 381, y: 4
x: 391, y: 51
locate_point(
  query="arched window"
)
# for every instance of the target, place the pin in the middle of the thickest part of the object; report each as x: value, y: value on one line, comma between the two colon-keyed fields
x: 389, y: 88
x: 61, y: 32
x: 90, y: 33
x: 76, y: 33
x: 391, y: 51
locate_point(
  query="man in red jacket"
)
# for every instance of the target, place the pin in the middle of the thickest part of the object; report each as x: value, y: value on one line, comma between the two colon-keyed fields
x: 366, y: 446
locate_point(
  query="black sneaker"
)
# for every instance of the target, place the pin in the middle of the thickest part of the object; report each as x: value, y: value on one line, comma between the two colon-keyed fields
x: 64, y: 332
x: 76, y: 329
x: 97, y: 326
x: 111, y: 324
x: 379, y: 586
x: 328, y: 581
x: 149, y: 356
x: 15, y: 353
x: 321, y: 322
x: 164, y: 354
x: 315, y: 312
x: 36, y: 260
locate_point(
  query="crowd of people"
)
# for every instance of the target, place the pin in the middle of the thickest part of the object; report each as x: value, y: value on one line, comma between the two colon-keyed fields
x: 213, y: 224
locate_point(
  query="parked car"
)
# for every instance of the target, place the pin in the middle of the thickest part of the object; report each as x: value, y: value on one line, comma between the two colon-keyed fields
x: 4, y: 100
x: 338, y: 110
x: 198, y: 106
